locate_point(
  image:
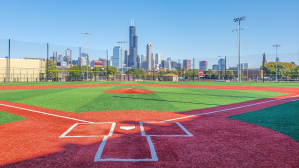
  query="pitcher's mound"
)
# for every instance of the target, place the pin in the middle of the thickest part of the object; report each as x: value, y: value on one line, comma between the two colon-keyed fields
x: 129, y: 91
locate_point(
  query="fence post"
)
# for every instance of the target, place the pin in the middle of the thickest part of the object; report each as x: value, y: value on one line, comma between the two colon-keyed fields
x: 48, y: 61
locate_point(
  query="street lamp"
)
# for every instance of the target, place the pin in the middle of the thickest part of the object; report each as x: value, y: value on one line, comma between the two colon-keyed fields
x: 122, y: 55
x: 276, y: 45
x: 86, y: 33
x: 239, y: 19
x: 219, y: 67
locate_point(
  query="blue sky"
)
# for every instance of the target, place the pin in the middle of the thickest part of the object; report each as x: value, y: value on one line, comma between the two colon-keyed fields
x: 177, y: 29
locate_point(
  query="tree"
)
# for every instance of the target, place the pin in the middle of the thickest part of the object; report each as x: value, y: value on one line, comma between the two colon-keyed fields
x: 96, y: 70
x: 74, y: 71
x: 208, y: 74
x: 231, y: 75
x: 112, y: 70
x: 52, y: 69
x: 90, y: 72
x: 284, y: 69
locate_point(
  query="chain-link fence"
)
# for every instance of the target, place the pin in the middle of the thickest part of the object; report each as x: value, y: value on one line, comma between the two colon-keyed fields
x: 39, y: 62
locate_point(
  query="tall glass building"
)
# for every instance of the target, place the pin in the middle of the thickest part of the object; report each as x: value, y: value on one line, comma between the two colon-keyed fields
x: 117, y: 59
x: 133, y: 46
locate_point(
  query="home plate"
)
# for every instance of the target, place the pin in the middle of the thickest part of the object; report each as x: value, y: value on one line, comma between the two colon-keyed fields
x: 127, y: 127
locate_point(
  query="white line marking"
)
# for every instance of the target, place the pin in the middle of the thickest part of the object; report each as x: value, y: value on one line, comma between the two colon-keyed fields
x: 230, y: 108
x: 180, y: 125
x: 76, y: 136
x: 35, y: 111
x: 63, y: 135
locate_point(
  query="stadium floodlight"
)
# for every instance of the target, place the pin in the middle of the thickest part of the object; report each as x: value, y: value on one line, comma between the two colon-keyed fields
x: 86, y: 33
x: 276, y: 45
x: 239, y: 19
x: 122, y: 64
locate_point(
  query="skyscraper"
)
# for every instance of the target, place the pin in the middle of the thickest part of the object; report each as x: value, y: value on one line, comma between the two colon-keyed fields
x: 149, y: 50
x: 133, y: 46
x: 221, y: 63
x: 117, y: 60
x: 127, y: 54
x: 187, y: 64
x: 143, y: 61
x: 203, y: 65
x: 152, y: 61
x: 157, y: 60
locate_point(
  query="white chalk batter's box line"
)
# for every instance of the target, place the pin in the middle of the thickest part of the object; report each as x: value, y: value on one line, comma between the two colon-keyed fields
x: 148, y: 137
x: 180, y: 125
x: 72, y: 127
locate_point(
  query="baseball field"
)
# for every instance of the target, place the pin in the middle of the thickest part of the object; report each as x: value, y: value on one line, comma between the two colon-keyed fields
x: 149, y: 124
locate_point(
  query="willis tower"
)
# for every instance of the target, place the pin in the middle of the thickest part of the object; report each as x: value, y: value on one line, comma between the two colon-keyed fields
x: 133, y: 46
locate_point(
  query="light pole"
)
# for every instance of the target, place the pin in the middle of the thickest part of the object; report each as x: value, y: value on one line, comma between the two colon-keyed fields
x: 239, y: 19
x: 219, y: 67
x: 122, y: 69
x: 276, y: 45
x: 86, y: 33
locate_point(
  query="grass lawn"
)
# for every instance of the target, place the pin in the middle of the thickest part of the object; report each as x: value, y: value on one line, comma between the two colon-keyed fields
x: 165, y: 99
x: 283, y: 118
x: 7, y: 118
x: 291, y: 85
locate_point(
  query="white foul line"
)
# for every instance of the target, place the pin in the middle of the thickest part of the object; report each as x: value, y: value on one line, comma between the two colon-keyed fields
x: 230, y: 108
x: 35, y: 111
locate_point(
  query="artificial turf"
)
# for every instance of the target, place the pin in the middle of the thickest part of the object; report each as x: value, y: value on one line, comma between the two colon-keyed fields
x: 87, y: 99
x: 267, y: 84
x: 282, y: 118
x: 7, y: 118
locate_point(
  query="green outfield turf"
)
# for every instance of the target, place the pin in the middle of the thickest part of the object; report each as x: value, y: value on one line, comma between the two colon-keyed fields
x: 165, y: 99
x: 283, y: 118
x: 7, y: 118
x: 291, y: 85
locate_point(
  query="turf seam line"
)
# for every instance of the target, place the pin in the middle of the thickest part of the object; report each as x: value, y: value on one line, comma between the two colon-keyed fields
x: 232, y: 108
x: 35, y: 111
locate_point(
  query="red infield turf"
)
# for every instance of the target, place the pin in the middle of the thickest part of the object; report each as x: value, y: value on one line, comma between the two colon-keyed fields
x: 197, y: 138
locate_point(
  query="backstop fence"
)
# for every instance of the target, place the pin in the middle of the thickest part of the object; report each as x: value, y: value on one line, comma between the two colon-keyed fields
x: 41, y: 62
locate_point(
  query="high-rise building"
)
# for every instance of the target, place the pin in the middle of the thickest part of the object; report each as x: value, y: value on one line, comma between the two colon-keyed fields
x: 152, y: 61
x: 215, y: 67
x: 149, y: 51
x: 138, y: 61
x: 126, y: 55
x: 203, y: 65
x: 82, y: 61
x: 133, y: 46
x: 244, y: 66
x: 174, y: 64
x: 110, y: 61
x: 60, y: 58
x: 86, y: 55
x: 179, y: 65
x: 187, y: 64
x: 157, y: 60
x: 221, y: 63
x: 169, y: 58
x: 167, y: 64
x: 162, y: 63
x: 143, y: 61
x: 117, y: 57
